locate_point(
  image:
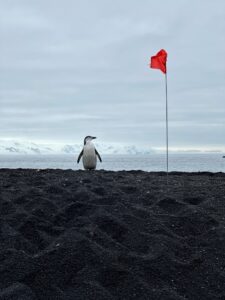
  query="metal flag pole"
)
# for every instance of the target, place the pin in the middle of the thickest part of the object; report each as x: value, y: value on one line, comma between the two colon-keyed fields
x: 167, y: 135
x: 158, y: 61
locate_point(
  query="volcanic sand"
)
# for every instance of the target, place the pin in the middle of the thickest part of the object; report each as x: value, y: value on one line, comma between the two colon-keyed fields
x: 111, y: 235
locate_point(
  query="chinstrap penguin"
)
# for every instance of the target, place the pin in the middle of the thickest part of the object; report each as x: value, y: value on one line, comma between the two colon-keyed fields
x: 89, y: 154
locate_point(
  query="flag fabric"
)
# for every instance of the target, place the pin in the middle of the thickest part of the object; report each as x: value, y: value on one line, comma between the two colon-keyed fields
x: 159, y: 61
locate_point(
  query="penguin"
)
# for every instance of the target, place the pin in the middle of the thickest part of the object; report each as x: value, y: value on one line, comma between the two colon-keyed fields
x: 89, y: 154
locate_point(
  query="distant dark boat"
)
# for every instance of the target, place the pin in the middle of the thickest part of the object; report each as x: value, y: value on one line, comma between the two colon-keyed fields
x: 224, y: 156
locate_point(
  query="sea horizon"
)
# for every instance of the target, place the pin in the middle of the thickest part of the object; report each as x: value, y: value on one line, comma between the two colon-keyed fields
x: 184, y: 162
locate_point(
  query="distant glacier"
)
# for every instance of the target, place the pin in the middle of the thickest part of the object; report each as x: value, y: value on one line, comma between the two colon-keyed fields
x: 27, y: 147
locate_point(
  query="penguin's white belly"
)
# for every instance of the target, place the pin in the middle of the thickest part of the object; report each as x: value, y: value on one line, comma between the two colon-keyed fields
x: 89, y: 157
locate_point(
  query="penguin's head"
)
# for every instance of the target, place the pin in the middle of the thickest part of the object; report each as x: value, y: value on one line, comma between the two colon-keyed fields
x: 88, y: 139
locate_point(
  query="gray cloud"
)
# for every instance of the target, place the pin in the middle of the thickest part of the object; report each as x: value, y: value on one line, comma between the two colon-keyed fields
x: 73, y: 68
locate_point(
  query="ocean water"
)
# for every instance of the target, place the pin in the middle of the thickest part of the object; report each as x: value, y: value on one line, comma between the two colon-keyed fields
x: 152, y: 162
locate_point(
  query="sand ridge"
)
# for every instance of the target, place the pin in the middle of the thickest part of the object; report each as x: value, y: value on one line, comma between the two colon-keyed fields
x: 111, y: 235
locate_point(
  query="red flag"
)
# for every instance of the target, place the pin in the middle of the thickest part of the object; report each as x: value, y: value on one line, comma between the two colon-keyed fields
x: 159, y: 61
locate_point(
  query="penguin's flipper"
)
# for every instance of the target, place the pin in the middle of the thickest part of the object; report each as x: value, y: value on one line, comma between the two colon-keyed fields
x: 80, y: 155
x: 99, y: 157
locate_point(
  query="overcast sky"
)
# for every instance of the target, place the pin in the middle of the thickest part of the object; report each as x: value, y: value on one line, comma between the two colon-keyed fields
x: 74, y: 68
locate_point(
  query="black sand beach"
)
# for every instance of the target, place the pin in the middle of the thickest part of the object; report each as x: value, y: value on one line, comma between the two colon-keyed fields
x: 111, y: 235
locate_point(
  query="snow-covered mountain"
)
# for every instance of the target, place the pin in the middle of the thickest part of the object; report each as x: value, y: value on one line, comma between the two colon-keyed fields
x: 27, y: 147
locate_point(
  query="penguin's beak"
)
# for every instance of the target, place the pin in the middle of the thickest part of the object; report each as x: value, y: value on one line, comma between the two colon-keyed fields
x: 94, y: 137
